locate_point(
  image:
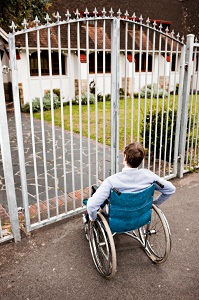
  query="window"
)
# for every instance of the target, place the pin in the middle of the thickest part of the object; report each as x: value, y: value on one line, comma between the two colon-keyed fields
x: 45, y: 63
x: 143, y: 62
x: 100, y: 62
x: 173, y: 63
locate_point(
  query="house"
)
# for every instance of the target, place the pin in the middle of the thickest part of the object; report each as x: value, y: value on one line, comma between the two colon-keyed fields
x: 85, y: 60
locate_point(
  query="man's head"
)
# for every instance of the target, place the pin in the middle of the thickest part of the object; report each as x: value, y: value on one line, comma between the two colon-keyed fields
x: 134, y: 154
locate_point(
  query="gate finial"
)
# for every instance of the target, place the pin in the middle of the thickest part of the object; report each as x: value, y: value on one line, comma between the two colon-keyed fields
x: 119, y: 13
x: 24, y: 24
x: 36, y: 21
x: 126, y: 14
x: 133, y: 16
x: 141, y: 19
x: 111, y: 12
x: 103, y: 12
x: 67, y: 14
x: 58, y: 17
x: 13, y: 27
x: 148, y: 22
x: 47, y: 18
x: 86, y: 13
x: 154, y: 24
x: 95, y: 12
x: 77, y: 14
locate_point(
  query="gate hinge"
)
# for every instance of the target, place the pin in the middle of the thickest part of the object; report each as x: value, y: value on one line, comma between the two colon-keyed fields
x: 6, y: 69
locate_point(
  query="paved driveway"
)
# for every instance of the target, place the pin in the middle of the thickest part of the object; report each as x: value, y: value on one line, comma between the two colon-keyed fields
x: 55, y: 261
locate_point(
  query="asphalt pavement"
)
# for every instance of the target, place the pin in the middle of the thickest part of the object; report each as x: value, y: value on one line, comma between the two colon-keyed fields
x: 55, y: 262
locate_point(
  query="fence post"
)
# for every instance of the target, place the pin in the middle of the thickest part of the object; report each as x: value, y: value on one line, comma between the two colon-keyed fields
x: 7, y: 164
x: 115, y: 57
x: 185, y: 100
x: 18, y: 122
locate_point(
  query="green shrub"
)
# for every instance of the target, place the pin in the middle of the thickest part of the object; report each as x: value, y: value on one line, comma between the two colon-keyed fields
x: 153, y: 90
x: 57, y: 92
x: 84, y: 99
x: 46, y: 103
x: 108, y: 97
x: 171, y: 126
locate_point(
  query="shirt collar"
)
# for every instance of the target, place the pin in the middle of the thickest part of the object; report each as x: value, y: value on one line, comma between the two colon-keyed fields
x: 128, y: 168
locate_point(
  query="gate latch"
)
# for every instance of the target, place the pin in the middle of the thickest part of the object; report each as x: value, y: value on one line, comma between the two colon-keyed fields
x: 5, y: 69
x: 186, y: 67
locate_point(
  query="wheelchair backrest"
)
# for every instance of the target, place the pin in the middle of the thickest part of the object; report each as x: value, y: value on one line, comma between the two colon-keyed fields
x: 129, y: 211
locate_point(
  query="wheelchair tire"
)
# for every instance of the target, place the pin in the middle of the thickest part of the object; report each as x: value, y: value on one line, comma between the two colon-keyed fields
x: 156, y: 237
x: 102, y: 246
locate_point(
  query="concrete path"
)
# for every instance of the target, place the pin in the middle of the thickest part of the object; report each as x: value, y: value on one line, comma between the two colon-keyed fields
x: 51, y: 178
x: 55, y: 263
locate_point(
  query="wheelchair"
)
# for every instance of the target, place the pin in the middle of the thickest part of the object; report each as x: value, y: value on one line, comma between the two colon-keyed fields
x: 135, y: 215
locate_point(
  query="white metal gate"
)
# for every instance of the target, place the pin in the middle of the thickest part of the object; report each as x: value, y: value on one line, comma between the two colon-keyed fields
x: 133, y: 75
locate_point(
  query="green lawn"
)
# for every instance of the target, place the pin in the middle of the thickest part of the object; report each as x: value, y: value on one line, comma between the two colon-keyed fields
x: 130, y: 123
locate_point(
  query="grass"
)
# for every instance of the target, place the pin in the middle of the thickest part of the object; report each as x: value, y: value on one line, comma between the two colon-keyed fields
x: 99, y: 124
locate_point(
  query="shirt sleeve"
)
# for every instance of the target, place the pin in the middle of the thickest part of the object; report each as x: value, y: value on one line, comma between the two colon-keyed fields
x: 98, y: 198
x: 165, y: 192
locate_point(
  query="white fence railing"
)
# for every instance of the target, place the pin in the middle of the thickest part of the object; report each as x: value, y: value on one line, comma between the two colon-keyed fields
x: 142, y: 85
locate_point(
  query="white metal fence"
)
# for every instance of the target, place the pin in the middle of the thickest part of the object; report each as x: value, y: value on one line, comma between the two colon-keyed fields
x: 142, y: 85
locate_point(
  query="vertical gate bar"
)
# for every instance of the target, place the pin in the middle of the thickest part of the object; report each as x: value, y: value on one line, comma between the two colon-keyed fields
x: 125, y: 84
x: 168, y: 109
x: 192, y: 115
x: 145, y: 96
x: 115, y: 46
x: 157, y: 104
x: 152, y: 105
x: 71, y: 112
x: 32, y: 131
x: 96, y: 102
x: 163, y: 103
x: 88, y: 104
x: 176, y: 166
x: 52, y: 116
x: 194, y: 79
x: 133, y: 82
x: 62, y: 114
x: 104, y: 99
x: 171, y: 150
x: 197, y: 119
x: 188, y: 150
x: 42, y: 121
x: 18, y: 123
x: 140, y: 79
x: 185, y: 100
x: 80, y: 109
x: 7, y: 164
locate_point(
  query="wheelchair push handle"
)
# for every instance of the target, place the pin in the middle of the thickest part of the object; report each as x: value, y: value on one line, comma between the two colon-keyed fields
x: 160, y: 184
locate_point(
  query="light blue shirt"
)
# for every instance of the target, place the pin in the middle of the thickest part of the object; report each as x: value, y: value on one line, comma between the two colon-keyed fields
x: 127, y: 181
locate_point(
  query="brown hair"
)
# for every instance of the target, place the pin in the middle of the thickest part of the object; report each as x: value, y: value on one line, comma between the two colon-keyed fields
x: 134, y: 154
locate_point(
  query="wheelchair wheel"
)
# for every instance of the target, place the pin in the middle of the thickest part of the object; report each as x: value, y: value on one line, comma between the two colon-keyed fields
x: 156, y: 237
x: 102, y: 247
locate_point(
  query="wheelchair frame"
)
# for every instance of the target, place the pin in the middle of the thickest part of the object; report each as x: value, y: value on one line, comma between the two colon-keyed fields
x: 154, y: 237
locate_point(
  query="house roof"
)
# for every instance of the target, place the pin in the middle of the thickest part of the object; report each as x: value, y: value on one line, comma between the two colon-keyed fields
x: 183, y: 14
x: 180, y: 15
x: 3, y: 34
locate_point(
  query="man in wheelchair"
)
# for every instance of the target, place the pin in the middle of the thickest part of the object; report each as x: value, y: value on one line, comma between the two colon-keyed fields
x: 130, y: 179
x: 132, y: 211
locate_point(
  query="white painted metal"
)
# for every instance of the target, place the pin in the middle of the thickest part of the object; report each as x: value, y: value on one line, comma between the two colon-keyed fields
x: 153, y: 42
x: 8, y: 168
